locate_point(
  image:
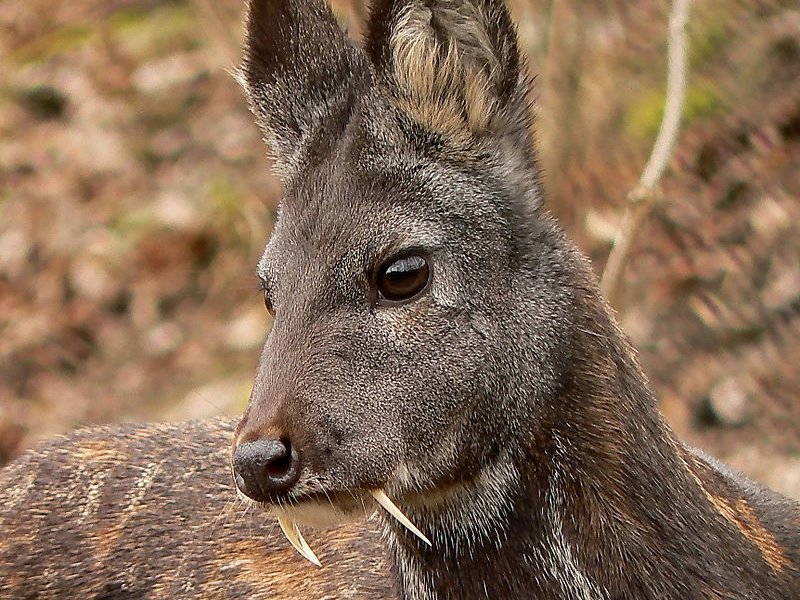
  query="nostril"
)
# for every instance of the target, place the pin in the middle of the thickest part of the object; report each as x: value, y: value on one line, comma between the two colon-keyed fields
x: 265, y: 468
x: 280, y: 464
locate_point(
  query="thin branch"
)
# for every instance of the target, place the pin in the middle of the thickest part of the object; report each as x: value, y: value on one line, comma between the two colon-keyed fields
x: 643, y: 197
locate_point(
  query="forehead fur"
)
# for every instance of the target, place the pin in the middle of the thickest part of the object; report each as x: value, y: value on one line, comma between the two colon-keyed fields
x: 347, y: 206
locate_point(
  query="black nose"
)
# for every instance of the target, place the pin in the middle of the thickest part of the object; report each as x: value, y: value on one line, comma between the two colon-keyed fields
x: 265, y: 468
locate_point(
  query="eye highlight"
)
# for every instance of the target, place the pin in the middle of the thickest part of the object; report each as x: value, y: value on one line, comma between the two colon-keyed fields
x: 403, y: 278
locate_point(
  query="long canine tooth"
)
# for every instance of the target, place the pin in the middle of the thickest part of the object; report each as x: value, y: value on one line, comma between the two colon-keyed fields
x: 309, y: 553
x: 292, y: 533
x: 390, y: 507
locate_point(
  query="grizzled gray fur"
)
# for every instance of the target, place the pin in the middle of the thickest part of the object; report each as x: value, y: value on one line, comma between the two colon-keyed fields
x: 437, y: 338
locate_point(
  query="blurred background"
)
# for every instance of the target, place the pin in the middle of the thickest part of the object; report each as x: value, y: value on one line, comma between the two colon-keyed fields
x: 135, y: 198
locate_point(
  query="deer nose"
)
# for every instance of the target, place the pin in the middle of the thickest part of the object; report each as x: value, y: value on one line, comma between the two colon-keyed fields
x: 265, y: 468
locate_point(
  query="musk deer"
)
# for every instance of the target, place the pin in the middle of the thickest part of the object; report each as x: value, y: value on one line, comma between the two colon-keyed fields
x: 440, y: 350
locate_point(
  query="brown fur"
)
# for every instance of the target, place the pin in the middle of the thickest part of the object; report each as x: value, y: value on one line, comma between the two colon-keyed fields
x: 740, y: 514
x: 501, y: 406
x: 165, y: 524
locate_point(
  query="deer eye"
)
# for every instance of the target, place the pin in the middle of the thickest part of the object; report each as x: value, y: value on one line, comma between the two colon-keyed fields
x: 403, y: 278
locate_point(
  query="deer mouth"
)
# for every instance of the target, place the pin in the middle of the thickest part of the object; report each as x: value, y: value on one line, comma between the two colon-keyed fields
x: 268, y: 472
x: 325, y: 508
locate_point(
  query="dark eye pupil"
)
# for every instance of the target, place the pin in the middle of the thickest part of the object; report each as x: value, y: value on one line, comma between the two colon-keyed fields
x: 403, y: 278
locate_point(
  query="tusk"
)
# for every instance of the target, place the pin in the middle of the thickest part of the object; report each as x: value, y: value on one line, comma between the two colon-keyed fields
x: 292, y: 533
x: 309, y: 552
x: 390, y: 507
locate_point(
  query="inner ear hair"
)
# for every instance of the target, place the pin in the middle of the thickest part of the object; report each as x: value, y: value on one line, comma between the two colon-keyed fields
x: 453, y: 64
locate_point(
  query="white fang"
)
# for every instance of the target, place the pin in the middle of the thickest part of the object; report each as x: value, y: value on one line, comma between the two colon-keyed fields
x: 292, y: 533
x: 390, y: 507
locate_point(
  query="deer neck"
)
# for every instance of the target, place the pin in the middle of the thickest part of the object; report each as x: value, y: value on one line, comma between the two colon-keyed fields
x: 553, y: 519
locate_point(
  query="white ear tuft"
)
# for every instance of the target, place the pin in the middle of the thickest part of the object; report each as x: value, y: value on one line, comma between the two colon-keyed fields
x: 453, y: 65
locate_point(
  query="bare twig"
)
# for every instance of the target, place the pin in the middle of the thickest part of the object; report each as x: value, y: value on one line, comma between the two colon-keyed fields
x: 643, y: 197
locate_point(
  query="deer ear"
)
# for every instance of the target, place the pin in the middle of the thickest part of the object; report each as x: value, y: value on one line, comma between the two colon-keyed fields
x: 298, y: 71
x: 453, y: 65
